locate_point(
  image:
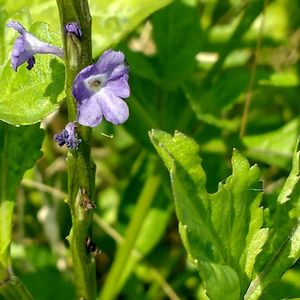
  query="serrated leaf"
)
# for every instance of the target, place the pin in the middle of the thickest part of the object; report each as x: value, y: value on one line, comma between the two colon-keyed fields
x: 220, y: 231
x: 282, y: 248
x: 19, y: 150
x: 28, y: 96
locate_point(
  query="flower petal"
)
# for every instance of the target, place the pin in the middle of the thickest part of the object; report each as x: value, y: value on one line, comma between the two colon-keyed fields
x: 19, y: 54
x: 89, y: 112
x: 109, y: 61
x: 80, y: 90
x: 119, y: 88
x: 16, y: 26
x: 115, y: 109
x: 27, y: 45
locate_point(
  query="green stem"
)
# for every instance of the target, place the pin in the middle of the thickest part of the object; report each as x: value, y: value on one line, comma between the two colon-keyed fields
x: 81, y: 169
x: 110, y: 289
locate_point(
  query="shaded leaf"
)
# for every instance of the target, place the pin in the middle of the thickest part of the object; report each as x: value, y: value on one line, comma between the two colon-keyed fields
x: 211, y: 102
x: 276, y: 147
x: 19, y: 150
x: 177, y: 34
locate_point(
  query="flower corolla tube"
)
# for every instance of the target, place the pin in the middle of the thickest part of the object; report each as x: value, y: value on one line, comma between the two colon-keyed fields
x: 27, y: 45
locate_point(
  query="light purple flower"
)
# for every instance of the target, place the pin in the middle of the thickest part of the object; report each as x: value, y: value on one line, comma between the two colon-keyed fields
x: 100, y: 88
x: 27, y: 45
x: 73, y: 28
x: 68, y: 136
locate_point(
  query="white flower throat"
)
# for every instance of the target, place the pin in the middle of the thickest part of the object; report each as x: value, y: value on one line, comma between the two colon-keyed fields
x: 95, y: 82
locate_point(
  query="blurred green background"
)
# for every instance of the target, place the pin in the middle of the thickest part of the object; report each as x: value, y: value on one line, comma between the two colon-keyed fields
x: 195, y: 66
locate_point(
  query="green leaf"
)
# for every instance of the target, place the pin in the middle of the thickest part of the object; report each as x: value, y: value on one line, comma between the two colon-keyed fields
x: 39, y: 10
x: 253, y: 9
x: 177, y: 34
x: 211, y: 102
x: 220, y: 231
x: 282, y: 248
x: 3, y: 19
x: 276, y: 147
x: 28, y: 96
x: 19, y: 150
x: 113, y: 20
x: 14, y: 289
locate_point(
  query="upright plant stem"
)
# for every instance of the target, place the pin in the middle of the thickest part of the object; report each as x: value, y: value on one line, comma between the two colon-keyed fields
x: 111, y: 287
x: 81, y: 169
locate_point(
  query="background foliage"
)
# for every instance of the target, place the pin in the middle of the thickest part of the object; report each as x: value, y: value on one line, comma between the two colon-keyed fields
x: 193, y: 65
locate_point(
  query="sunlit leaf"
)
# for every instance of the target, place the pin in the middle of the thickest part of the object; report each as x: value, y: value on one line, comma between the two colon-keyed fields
x: 282, y: 248
x: 28, y: 96
x: 112, y: 20
x: 221, y: 231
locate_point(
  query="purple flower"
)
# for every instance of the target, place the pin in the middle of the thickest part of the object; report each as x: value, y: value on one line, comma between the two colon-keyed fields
x: 68, y: 136
x: 27, y: 45
x: 73, y: 28
x: 100, y: 88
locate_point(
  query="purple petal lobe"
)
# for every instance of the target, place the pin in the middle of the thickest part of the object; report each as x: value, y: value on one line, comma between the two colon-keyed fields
x: 109, y: 61
x: 16, y: 26
x: 115, y: 109
x: 119, y: 88
x: 89, y: 112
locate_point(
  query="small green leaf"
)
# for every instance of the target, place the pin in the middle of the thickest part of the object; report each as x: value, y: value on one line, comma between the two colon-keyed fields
x: 221, y: 231
x: 28, y: 96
